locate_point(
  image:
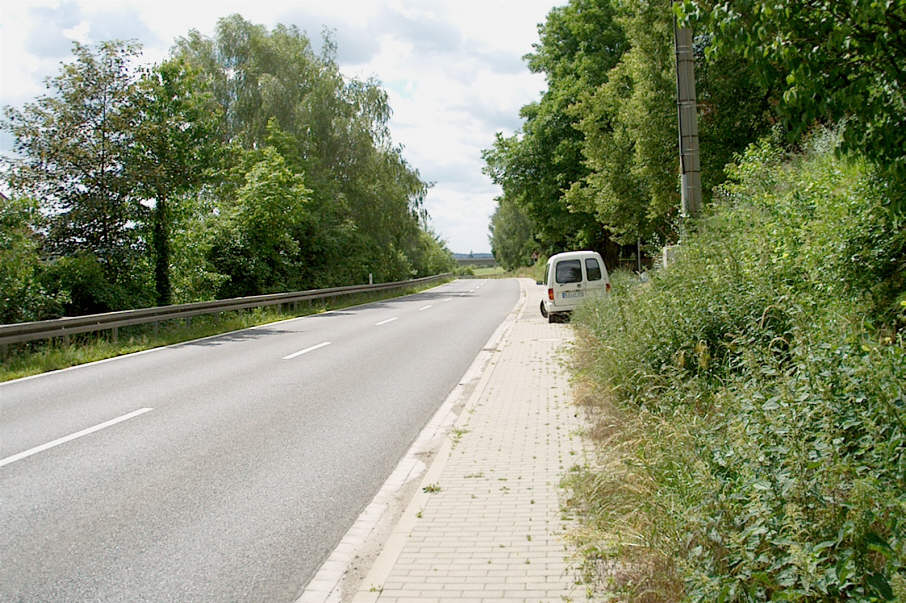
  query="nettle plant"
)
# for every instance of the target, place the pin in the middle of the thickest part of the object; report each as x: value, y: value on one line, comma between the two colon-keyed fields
x: 752, y: 394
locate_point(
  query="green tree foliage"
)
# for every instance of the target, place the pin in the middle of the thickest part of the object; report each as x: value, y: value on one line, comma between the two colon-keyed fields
x: 629, y: 124
x: 831, y: 61
x: 173, y: 147
x: 597, y: 156
x: 22, y: 294
x: 245, y: 163
x: 734, y: 108
x: 432, y: 255
x: 275, y: 90
x: 73, y: 149
x: 579, y: 44
x: 259, y: 245
x: 511, y: 235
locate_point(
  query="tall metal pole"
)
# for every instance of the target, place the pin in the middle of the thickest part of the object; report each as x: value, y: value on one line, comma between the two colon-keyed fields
x: 690, y: 167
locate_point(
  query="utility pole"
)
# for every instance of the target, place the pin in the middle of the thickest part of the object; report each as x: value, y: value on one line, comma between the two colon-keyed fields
x: 690, y: 167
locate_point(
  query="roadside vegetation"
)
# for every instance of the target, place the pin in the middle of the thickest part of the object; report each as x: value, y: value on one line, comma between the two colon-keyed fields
x: 244, y: 163
x: 595, y: 163
x: 749, y: 401
x: 28, y: 359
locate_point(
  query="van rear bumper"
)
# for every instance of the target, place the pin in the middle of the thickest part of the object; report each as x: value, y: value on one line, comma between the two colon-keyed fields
x: 548, y: 307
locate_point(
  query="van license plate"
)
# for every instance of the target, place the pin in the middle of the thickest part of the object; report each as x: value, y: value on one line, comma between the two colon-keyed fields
x: 573, y: 294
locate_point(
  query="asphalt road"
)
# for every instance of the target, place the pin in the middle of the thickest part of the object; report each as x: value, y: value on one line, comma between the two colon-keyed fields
x: 225, y: 469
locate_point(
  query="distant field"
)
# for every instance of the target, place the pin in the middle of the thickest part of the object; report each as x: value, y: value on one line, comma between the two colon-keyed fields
x: 490, y: 271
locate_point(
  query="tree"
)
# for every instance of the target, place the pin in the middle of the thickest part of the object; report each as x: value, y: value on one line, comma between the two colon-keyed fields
x: 595, y: 161
x: 629, y: 123
x: 511, y: 235
x: 579, y: 44
x: 73, y: 148
x: 22, y: 296
x: 174, y: 145
x: 260, y: 246
x: 830, y: 61
x: 274, y: 90
x: 734, y: 108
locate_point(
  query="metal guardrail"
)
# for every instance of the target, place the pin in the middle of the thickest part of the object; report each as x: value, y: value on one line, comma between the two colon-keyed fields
x: 62, y: 327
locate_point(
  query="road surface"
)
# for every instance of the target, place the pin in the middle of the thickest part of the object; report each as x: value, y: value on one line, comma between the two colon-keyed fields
x: 224, y: 469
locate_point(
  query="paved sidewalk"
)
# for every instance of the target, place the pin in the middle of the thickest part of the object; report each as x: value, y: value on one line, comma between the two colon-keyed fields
x: 485, y: 523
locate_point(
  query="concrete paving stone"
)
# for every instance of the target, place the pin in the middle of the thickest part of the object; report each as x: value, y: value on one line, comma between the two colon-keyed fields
x: 437, y: 594
x: 436, y: 579
x: 474, y: 574
x: 395, y: 592
x: 518, y: 435
x: 523, y: 593
x: 483, y: 594
x: 473, y: 585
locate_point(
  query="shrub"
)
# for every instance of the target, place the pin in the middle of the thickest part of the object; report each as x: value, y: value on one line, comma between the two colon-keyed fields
x: 751, y: 396
x: 22, y: 296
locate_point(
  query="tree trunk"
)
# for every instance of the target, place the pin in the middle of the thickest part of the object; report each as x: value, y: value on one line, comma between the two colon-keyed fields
x: 161, y: 243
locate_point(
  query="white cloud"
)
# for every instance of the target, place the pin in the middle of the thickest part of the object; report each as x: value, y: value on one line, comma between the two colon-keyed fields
x: 452, y: 68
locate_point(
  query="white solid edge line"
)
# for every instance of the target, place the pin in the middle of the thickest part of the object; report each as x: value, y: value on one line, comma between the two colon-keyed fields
x: 307, y: 350
x: 383, y: 322
x: 72, y: 436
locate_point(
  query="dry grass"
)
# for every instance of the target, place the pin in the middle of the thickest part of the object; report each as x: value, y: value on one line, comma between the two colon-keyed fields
x: 618, y: 559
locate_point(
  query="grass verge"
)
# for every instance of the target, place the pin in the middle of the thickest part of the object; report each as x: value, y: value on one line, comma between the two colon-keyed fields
x: 44, y: 356
x: 749, y: 402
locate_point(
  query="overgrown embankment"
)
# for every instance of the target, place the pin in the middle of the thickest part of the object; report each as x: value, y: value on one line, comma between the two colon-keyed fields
x: 749, y: 402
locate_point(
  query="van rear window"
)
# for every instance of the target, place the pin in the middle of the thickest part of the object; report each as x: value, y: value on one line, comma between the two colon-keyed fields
x: 569, y: 271
x: 592, y: 269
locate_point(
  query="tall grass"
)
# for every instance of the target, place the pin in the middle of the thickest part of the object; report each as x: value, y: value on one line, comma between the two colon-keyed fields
x: 750, y: 401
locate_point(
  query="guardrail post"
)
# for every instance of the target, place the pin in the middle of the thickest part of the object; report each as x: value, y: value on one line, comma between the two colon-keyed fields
x: 116, y: 334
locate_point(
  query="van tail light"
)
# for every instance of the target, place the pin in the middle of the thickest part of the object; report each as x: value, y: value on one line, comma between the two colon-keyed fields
x: 607, y: 286
x: 550, y: 294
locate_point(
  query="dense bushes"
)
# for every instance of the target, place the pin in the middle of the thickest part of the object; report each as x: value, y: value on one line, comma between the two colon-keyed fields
x: 750, y: 399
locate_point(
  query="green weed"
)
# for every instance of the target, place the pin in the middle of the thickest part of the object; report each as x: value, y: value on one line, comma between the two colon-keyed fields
x: 749, y: 401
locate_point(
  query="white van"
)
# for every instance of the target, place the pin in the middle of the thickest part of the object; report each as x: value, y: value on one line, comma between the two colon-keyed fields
x: 571, y: 277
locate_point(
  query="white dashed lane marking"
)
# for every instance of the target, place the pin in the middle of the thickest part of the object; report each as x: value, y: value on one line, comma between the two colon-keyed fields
x: 307, y: 350
x: 72, y: 436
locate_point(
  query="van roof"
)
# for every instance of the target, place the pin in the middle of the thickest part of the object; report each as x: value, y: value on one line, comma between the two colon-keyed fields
x: 569, y: 255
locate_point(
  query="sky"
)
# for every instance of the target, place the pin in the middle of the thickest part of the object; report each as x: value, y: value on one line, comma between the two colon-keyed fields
x: 453, y: 70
